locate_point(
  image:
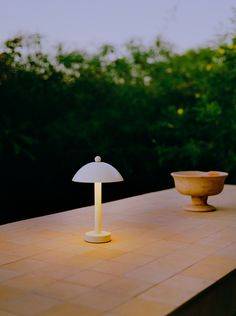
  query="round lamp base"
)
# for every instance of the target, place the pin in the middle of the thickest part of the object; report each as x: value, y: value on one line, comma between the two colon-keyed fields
x: 94, y: 237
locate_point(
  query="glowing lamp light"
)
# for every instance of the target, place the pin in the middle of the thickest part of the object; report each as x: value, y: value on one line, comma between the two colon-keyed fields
x: 97, y: 172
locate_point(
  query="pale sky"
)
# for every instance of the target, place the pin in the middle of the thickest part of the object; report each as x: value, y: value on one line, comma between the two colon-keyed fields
x: 86, y: 24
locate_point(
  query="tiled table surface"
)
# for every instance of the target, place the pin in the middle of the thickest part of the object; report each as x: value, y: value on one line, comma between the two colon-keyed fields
x: 159, y: 258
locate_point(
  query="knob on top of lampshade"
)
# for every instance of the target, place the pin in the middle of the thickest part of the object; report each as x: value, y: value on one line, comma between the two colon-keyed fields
x: 97, y: 171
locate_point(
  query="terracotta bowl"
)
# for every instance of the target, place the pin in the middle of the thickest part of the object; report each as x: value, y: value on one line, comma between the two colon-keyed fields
x: 199, y: 185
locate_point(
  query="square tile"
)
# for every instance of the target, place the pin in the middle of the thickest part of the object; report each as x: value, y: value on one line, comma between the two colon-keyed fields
x: 100, y: 300
x: 140, y: 307
x: 90, y: 278
x: 208, y: 271
x: 125, y: 286
x: 29, y: 304
x: 25, y: 265
x: 135, y: 259
x: 4, y: 313
x: 6, y: 274
x: 9, y: 293
x: 29, y: 281
x: 113, y: 267
x: 65, y: 309
x: 176, y: 290
x: 61, y: 290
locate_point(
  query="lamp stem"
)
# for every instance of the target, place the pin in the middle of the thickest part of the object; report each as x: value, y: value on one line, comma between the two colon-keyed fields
x: 98, y: 207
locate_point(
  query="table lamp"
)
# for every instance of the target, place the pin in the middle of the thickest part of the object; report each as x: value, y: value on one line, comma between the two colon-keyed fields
x: 97, y: 172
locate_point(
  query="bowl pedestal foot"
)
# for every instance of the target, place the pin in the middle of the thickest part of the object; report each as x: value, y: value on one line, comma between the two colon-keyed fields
x: 199, y: 204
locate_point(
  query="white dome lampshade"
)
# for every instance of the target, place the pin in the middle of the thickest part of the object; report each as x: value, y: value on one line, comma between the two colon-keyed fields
x: 97, y: 172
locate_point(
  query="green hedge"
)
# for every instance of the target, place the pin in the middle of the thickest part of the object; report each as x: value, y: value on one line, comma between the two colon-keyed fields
x: 148, y: 112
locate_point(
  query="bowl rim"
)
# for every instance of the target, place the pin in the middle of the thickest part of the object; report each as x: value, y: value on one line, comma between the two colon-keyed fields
x: 198, y: 174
